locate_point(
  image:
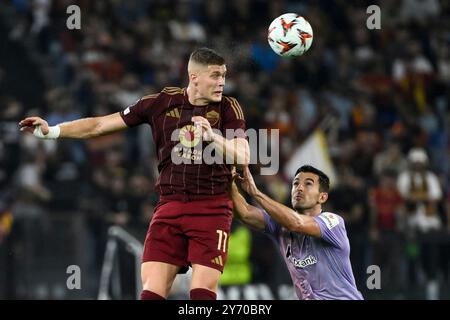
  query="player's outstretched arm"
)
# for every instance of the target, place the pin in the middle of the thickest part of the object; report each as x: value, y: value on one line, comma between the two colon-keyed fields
x: 285, y: 216
x: 78, y: 129
x: 246, y: 213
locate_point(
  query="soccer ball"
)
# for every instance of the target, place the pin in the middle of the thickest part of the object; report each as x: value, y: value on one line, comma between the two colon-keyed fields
x: 290, y: 35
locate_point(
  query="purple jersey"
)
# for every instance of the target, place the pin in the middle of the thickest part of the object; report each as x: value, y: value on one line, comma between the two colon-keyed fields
x: 320, y: 267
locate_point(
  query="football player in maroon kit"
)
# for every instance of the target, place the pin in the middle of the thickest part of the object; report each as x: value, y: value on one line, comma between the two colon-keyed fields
x: 191, y: 222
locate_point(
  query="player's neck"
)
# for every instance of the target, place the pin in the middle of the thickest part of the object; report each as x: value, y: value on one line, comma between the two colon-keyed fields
x: 195, y: 98
x: 312, y: 212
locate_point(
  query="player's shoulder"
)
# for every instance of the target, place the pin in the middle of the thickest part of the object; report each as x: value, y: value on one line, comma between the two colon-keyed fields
x: 229, y: 100
x: 170, y: 95
x: 232, y: 104
x: 171, y: 91
x: 331, y: 219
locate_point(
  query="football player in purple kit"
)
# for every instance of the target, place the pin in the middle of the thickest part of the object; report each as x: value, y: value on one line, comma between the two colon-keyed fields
x: 314, y: 243
x: 192, y: 219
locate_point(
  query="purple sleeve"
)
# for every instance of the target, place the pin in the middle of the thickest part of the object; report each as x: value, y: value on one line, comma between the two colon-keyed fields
x: 138, y: 112
x: 270, y: 226
x: 332, y: 229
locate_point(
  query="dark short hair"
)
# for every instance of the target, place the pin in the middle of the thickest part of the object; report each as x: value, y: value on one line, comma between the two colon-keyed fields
x: 324, y: 181
x: 207, y: 56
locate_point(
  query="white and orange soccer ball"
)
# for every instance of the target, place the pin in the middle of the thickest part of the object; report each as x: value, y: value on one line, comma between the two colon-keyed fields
x: 290, y: 35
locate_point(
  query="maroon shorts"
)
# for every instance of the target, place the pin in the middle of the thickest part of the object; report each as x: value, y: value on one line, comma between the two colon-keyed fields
x: 186, y: 233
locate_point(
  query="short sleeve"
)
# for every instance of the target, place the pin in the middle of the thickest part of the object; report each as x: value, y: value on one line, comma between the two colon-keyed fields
x: 138, y: 112
x: 332, y: 229
x: 271, y: 227
x: 234, y: 119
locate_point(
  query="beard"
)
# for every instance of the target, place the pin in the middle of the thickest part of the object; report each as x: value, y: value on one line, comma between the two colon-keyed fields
x: 300, y: 207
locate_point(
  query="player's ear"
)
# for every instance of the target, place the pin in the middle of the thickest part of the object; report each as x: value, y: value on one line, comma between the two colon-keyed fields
x: 193, y: 77
x: 323, y: 197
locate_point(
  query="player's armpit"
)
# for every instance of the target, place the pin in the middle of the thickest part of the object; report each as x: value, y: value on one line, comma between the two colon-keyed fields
x: 306, y: 225
x: 285, y: 216
x: 254, y: 218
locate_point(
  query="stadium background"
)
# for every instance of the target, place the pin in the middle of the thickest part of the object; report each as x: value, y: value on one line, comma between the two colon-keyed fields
x: 375, y: 94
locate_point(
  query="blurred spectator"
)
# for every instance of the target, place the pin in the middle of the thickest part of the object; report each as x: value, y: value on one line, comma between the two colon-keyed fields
x: 386, y: 232
x: 421, y: 190
x: 349, y: 200
x: 389, y: 159
x: 419, y: 10
x: 184, y: 28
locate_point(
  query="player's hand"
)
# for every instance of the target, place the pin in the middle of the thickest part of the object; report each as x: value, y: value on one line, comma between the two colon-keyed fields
x: 232, y: 185
x: 30, y: 123
x: 205, y: 127
x: 247, y: 182
x: 234, y: 173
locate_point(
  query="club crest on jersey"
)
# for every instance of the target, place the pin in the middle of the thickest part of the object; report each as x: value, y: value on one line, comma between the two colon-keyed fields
x: 189, y: 136
x: 213, y: 117
x: 331, y: 220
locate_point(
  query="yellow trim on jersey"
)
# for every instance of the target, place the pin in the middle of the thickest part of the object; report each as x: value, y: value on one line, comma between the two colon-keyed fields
x: 236, y: 107
x: 150, y: 96
x: 172, y: 90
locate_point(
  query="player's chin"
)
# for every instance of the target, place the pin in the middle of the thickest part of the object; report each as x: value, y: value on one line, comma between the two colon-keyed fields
x: 216, y: 97
x: 299, y: 206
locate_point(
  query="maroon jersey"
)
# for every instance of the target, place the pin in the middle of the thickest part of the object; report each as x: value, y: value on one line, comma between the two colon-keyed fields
x: 170, y: 110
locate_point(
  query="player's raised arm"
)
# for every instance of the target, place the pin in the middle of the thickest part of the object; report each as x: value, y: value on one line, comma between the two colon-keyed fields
x: 285, y: 216
x: 78, y: 129
x: 248, y: 214
x: 236, y: 151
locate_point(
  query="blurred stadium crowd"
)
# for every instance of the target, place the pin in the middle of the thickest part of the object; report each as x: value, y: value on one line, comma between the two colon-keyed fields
x: 381, y: 97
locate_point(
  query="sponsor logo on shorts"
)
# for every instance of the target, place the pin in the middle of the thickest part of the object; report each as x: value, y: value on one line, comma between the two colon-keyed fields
x: 217, y: 260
